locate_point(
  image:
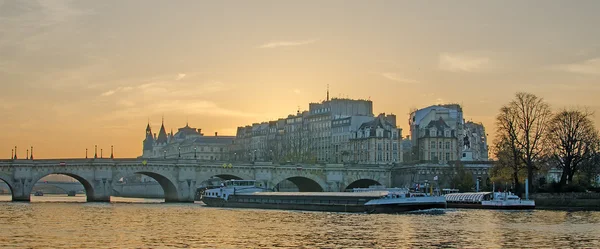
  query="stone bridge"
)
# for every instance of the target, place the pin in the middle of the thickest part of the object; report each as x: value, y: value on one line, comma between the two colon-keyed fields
x: 179, y: 179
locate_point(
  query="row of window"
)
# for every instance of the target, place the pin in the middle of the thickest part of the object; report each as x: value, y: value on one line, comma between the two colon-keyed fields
x: 448, y: 145
x: 441, y: 156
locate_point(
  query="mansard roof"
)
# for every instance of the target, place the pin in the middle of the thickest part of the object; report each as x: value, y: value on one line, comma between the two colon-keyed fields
x: 379, y: 122
x: 439, y: 124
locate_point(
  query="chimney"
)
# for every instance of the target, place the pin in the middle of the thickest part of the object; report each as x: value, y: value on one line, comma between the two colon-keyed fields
x: 215, y: 133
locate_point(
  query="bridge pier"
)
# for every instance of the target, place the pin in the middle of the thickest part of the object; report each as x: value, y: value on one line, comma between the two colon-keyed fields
x: 21, y: 198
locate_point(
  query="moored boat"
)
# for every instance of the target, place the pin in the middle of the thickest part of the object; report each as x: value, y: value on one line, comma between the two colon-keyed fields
x: 488, y: 200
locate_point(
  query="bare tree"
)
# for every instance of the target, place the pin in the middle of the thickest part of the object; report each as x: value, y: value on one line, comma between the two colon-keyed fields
x: 506, y: 149
x: 572, y: 139
x: 522, y: 124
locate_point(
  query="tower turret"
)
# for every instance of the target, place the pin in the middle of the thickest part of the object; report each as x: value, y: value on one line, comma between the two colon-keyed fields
x: 149, y: 141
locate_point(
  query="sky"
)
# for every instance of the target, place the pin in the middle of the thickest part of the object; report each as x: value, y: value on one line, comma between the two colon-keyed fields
x: 74, y: 74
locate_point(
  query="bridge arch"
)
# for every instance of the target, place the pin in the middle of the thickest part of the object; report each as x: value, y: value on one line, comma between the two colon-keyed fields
x: 228, y: 177
x: 87, y: 184
x: 362, y: 183
x: 5, y: 179
x: 304, y: 183
x: 170, y: 189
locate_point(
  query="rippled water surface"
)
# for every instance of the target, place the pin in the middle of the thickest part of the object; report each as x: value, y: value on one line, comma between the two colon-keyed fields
x: 49, y: 222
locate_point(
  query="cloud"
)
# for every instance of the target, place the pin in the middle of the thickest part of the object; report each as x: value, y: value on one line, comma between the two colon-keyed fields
x: 591, y: 66
x: 108, y: 93
x: 276, y: 44
x: 180, y: 76
x: 398, y: 78
x: 118, y: 89
x: 129, y: 110
x: 462, y: 63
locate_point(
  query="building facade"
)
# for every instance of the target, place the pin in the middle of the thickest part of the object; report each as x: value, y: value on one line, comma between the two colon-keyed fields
x: 377, y: 141
x: 187, y: 143
x: 475, y: 142
x: 308, y: 136
x: 435, y: 133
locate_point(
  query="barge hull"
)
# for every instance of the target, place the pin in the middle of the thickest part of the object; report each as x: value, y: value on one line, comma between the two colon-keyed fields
x: 399, y: 208
x: 480, y: 206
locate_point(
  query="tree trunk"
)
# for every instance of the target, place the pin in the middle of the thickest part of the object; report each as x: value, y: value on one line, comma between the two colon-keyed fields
x: 530, y: 175
x: 564, y: 177
x: 516, y: 181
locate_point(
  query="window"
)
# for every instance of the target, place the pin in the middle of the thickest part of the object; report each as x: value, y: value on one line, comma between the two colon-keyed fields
x: 464, y: 154
x: 432, y: 156
x: 448, y: 145
x: 395, y: 146
x: 448, y: 156
x: 433, y: 144
x: 440, y: 145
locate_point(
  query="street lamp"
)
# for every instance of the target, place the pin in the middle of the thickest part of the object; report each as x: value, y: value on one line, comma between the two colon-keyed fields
x: 165, y: 155
x: 195, y: 149
x: 86, y: 153
x: 179, y: 149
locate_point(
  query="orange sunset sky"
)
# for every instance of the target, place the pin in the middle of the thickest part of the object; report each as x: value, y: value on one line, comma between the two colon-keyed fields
x: 74, y: 74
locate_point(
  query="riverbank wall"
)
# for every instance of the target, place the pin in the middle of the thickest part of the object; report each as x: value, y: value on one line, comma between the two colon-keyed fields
x: 567, y: 201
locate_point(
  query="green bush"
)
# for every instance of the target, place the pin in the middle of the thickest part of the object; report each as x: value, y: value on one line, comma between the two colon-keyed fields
x: 555, y: 187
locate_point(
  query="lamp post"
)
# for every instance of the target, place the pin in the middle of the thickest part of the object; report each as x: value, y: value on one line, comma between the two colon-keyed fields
x: 165, y: 155
x: 95, y: 151
x: 195, y: 155
x: 86, y: 150
x: 112, y: 152
x: 16, y: 153
x: 27, y: 154
x: 12, y: 154
x: 179, y: 149
x: 101, y: 153
x: 31, y: 156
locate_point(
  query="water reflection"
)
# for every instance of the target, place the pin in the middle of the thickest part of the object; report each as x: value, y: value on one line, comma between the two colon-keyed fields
x: 135, y: 223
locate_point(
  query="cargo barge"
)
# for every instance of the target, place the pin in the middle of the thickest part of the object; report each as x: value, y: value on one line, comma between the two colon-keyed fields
x: 245, y: 194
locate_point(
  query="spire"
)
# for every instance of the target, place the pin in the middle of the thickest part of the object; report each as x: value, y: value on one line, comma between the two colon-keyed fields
x: 162, y: 134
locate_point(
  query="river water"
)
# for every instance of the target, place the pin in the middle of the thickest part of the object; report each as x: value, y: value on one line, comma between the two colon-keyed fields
x: 69, y: 222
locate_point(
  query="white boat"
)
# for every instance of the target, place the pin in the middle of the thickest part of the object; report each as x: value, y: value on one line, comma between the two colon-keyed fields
x: 488, y: 200
x: 404, y: 200
x: 507, y: 200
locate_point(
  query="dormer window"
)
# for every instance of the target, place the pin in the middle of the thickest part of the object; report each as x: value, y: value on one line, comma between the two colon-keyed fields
x: 432, y: 132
